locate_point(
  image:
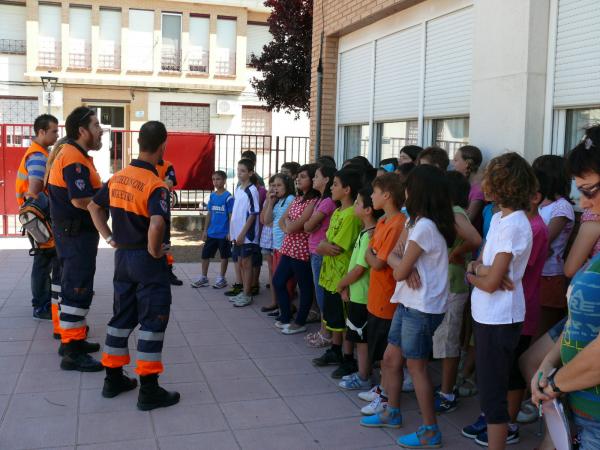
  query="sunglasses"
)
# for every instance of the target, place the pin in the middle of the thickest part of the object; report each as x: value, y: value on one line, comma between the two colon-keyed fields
x: 90, y: 112
x: 590, y: 192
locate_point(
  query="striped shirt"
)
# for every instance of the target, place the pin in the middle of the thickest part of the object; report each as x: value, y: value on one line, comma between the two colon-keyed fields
x: 36, y: 165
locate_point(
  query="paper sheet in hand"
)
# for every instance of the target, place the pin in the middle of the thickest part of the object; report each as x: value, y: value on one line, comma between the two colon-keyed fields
x: 557, y: 424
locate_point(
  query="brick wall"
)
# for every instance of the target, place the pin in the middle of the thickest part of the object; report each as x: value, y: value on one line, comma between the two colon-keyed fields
x: 340, y: 17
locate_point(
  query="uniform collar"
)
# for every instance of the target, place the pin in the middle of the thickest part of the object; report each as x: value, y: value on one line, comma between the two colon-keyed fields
x: 144, y: 165
x: 78, y: 147
x: 161, y: 162
x: 37, y: 146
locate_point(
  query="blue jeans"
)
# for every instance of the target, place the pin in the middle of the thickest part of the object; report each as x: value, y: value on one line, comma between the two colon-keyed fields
x: 589, y: 433
x: 316, y: 261
x: 287, y: 268
x: 45, y: 261
x: 413, y: 330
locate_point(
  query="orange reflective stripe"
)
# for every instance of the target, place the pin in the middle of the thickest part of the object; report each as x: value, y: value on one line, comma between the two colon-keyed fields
x: 72, y: 334
x: 114, y: 361
x: 55, y: 318
x: 170, y: 259
x: 144, y: 368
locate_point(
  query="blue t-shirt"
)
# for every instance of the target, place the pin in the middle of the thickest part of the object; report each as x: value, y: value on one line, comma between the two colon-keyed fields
x: 278, y: 209
x: 220, y: 207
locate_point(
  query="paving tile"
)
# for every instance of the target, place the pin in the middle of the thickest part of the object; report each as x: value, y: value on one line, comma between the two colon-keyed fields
x: 53, y: 380
x: 242, y: 389
x: 42, y: 404
x: 145, y: 444
x: 224, y: 352
x: 210, y: 338
x: 289, y: 437
x: 254, y: 336
x: 181, y: 373
x: 309, y: 408
x: 269, y: 349
x: 3, y: 403
x: 258, y: 413
x: 345, y: 433
x: 220, y: 440
x: 304, y: 384
x: 235, y: 369
x: 91, y: 401
x: 201, y: 326
x: 16, y: 334
x: 177, y: 355
x: 53, y: 431
x: 284, y: 366
x: 191, y: 393
x: 42, y: 362
x: 180, y: 419
x: 11, y: 364
x: 92, y: 380
x: 15, y: 348
x: 113, y: 427
x: 8, y: 382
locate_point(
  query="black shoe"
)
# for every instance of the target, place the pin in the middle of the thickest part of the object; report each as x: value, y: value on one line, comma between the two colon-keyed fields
x: 85, y: 347
x: 330, y: 357
x: 56, y: 336
x: 235, y: 290
x: 345, y: 368
x: 153, y: 396
x: 81, y: 362
x: 42, y: 314
x: 116, y: 382
x: 274, y: 314
x: 173, y: 278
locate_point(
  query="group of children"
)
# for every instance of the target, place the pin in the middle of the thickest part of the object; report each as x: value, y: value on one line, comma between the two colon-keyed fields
x: 389, y: 258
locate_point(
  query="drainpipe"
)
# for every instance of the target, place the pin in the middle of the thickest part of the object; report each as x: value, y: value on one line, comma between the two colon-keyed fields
x: 319, y: 98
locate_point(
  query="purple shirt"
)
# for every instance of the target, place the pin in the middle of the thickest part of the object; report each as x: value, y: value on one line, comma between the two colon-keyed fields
x: 533, y: 275
x: 325, y: 206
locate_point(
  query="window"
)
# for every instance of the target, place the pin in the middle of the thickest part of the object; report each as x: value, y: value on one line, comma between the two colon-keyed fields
x: 140, y: 42
x: 257, y: 36
x: 256, y: 128
x: 80, y: 38
x: 226, y: 46
x: 392, y: 136
x: 577, y: 121
x: 451, y: 134
x: 49, y: 36
x: 356, y: 141
x: 12, y: 32
x: 109, y: 51
x: 170, y: 57
x: 185, y: 116
x: 199, y: 44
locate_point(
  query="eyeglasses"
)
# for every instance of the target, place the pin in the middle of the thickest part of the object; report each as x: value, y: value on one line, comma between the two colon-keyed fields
x: 591, y: 192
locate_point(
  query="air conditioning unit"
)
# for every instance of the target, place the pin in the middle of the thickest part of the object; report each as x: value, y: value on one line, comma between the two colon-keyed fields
x: 227, y: 108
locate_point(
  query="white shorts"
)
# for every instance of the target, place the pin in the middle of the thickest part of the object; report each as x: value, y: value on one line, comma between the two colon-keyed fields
x: 446, y: 340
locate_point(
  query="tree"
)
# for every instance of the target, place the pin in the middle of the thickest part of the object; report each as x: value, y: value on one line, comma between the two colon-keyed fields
x: 285, y: 61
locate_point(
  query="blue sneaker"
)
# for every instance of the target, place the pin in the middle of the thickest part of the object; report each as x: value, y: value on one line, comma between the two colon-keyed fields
x: 511, y: 438
x: 443, y: 405
x: 389, y: 418
x: 474, y: 430
x: 420, y: 438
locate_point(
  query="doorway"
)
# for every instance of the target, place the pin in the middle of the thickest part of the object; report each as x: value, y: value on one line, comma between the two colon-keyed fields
x: 110, y: 157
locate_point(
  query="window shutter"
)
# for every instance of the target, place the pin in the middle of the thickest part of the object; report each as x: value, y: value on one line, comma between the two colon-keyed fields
x: 140, y: 42
x: 355, y: 85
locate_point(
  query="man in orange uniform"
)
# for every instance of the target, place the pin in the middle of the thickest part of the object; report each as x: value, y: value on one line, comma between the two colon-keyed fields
x: 166, y: 172
x: 30, y: 184
x: 138, y: 201
x: 72, y: 182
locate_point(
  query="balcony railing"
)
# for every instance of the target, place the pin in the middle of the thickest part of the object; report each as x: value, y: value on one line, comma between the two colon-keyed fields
x: 225, y: 64
x: 110, y: 59
x: 13, y: 46
x: 80, y: 57
x: 198, y: 62
x: 49, y: 54
x: 170, y: 59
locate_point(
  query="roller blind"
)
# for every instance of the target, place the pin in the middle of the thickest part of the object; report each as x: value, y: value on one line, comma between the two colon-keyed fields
x: 257, y: 37
x: 140, y: 42
x: 355, y: 85
x: 13, y: 22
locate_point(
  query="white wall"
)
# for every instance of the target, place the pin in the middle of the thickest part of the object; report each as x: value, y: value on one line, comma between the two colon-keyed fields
x: 12, y: 68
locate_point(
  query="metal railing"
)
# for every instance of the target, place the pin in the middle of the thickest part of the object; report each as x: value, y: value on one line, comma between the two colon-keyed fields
x: 450, y: 146
x: 198, y: 62
x: 225, y: 65
x: 13, y: 46
x: 81, y: 59
x: 170, y: 59
x: 110, y: 60
x: 49, y: 54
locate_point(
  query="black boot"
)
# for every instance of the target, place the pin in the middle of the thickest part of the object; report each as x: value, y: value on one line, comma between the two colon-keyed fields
x: 85, y: 347
x: 76, y: 359
x: 116, y: 382
x: 173, y: 278
x: 153, y: 396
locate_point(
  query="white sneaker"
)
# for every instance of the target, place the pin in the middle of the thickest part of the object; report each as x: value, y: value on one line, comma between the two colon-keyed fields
x: 235, y: 298
x: 375, y: 407
x: 348, y: 377
x: 281, y: 325
x: 354, y: 383
x: 370, y: 395
x: 407, y: 384
x: 200, y: 283
x: 242, y: 300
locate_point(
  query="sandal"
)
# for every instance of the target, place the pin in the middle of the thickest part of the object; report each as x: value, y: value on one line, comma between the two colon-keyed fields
x: 317, y: 340
x: 269, y: 308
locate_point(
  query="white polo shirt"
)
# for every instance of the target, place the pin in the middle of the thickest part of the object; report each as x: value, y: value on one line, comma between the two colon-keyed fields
x: 245, y: 204
x: 510, y: 234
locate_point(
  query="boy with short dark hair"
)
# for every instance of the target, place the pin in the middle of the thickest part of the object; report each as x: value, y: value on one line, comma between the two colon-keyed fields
x: 434, y: 156
x: 216, y: 231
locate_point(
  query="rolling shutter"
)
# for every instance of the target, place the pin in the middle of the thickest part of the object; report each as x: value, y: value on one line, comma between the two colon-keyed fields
x: 140, y: 42
x: 355, y: 83
x: 577, y: 67
x: 257, y: 37
x: 110, y: 32
x: 397, y: 74
x: 13, y: 22
x: 49, y: 23
x: 449, y: 64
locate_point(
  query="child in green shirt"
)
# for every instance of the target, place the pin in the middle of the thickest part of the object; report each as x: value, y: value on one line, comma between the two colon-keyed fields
x: 336, y: 249
x: 354, y: 288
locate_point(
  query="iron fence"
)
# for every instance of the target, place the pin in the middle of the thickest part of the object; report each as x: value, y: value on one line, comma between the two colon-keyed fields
x: 13, y: 46
x: 111, y: 59
x: 49, y: 54
x: 198, y: 62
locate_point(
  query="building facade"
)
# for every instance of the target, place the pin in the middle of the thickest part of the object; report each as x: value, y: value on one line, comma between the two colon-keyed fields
x: 520, y: 75
x: 181, y: 62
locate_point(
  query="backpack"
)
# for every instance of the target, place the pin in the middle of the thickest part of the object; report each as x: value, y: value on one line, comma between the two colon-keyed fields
x: 35, y: 222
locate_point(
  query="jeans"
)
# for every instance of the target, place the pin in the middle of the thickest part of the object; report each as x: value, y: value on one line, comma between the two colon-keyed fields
x: 589, y: 433
x: 316, y: 261
x: 286, y: 269
x: 45, y: 261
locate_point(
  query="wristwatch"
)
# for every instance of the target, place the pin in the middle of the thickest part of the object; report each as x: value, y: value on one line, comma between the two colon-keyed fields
x: 551, y: 382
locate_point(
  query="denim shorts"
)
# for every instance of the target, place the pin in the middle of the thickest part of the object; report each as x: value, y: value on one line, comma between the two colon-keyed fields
x: 243, y: 251
x: 589, y: 433
x: 413, y: 330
